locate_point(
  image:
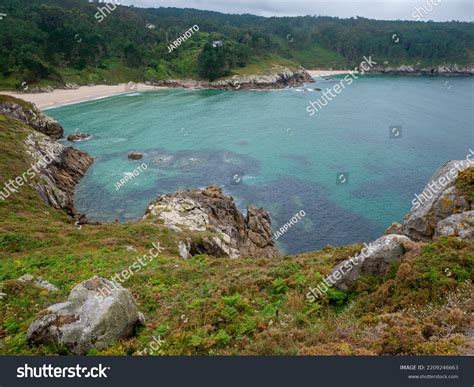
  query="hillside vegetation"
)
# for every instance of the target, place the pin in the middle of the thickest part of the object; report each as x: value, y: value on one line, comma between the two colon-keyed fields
x: 207, y: 305
x: 59, y: 41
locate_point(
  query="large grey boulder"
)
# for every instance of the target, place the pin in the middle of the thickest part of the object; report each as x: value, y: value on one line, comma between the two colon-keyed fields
x: 227, y: 231
x: 458, y: 225
x: 374, y: 259
x: 439, y: 200
x: 96, y: 313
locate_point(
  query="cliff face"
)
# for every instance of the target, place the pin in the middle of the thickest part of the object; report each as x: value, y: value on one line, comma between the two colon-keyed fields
x: 60, y: 170
x: 278, y: 79
x: 209, y: 210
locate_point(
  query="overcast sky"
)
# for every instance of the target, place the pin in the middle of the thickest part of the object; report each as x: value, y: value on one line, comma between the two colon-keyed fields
x: 388, y: 9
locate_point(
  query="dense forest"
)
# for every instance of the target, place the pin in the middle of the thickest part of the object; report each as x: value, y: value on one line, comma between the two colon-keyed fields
x: 58, y: 41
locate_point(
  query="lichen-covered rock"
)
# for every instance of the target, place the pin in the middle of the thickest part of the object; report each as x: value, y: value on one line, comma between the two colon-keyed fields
x: 210, y: 211
x: 439, y: 200
x: 374, y: 259
x: 458, y: 225
x: 88, y: 320
x: 29, y: 114
x: 395, y: 228
x: 59, y: 169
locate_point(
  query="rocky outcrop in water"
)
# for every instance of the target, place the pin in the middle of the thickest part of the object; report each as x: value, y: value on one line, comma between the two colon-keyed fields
x: 29, y: 114
x: 78, y: 137
x: 418, y: 70
x: 210, y: 211
x: 277, y: 79
x: 135, y: 156
x: 59, y: 170
x: 89, y: 318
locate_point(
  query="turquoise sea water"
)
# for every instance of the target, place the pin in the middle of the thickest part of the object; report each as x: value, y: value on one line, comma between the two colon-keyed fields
x: 266, y: 150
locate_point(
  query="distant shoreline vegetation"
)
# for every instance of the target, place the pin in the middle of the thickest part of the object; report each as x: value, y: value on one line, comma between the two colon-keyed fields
x: 51, y: 43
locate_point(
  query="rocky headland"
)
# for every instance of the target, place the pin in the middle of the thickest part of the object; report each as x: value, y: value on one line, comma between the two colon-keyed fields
x: 276, y: 79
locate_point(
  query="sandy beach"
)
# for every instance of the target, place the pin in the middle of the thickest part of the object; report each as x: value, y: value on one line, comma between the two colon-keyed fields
x: 84, y: 93
x: 60, y: 97
x: 325, y: 73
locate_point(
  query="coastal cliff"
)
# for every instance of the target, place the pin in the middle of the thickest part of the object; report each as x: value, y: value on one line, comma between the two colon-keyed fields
x: 58, y: 168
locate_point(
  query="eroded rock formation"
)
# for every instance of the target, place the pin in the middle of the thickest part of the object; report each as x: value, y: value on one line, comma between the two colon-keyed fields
x: 59, y: 170
x: 209, y: 210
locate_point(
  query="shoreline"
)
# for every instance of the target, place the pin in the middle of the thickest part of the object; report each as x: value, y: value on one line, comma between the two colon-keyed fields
x: 62, y: 97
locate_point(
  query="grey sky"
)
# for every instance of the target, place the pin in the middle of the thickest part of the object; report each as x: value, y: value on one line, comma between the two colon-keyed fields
x: 444, y: 10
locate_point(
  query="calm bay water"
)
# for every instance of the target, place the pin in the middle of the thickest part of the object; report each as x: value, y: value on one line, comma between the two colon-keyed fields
x: 266, y: 150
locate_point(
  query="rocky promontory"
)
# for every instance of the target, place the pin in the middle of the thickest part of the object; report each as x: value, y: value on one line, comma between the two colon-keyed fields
x: 277, y: 79
x: 209, y: 210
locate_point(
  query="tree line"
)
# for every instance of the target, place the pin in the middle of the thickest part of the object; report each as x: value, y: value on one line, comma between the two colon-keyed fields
x: 58, y: 40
